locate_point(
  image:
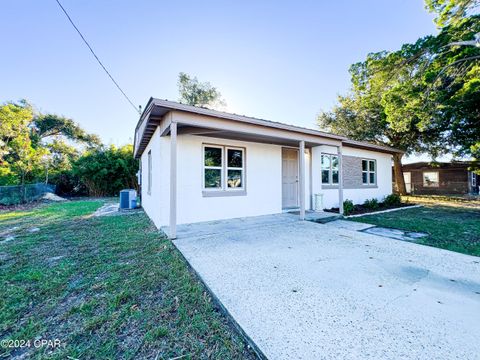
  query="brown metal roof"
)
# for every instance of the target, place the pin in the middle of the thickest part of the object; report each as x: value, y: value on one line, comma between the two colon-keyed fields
x: 453, y: 165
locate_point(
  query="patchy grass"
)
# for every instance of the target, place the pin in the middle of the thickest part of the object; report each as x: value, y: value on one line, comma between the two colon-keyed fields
x: 106, y: 287
x: 450, y: 226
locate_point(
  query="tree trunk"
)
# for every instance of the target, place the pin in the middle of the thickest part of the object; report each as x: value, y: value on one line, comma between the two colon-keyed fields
x: 398, y: 172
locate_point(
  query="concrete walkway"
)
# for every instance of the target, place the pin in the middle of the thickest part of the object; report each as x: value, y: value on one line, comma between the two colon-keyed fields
x: 303, y: 290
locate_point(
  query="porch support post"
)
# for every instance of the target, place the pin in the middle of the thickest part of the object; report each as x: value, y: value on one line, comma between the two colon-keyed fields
x: 173, y: 181
x: 301, y: 156
x: 340, y: 180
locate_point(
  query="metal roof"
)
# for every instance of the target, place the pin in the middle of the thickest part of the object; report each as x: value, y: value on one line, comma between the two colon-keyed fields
x: 158, y: 107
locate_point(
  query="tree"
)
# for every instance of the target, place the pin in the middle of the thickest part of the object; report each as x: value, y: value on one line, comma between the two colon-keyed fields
x: 423, y: 98
x: 57, y: 134
x: 449, y: 12
x: 106, y: 171
x: 36, y: 146
x: 193, y: 92
x: 19, y: 156
x: 13, y: 118
x: 380, y: 107
x: 50, y: 125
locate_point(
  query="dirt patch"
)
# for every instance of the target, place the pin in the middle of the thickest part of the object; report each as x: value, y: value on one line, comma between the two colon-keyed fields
x: 52, y: 197
x: 114, y: 210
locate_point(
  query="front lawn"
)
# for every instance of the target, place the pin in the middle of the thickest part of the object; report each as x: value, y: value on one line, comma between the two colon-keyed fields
x: 105, y: 287
x: 451, y: 226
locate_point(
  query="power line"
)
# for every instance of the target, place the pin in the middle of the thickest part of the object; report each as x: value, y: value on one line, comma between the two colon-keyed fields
x: 96, y: 57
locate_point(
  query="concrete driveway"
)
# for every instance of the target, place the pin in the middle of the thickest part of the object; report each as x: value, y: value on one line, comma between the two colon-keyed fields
x: 302, y: 290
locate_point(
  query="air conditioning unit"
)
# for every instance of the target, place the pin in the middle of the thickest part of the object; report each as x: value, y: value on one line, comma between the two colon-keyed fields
x: 128, y: 199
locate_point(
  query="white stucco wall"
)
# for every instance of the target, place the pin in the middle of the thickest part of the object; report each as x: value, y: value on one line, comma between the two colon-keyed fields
x: 155, y: 204
x: 358, y: 196
x: 263, y: 179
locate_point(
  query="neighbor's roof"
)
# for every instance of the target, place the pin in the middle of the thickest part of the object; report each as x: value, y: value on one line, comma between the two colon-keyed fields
x: 160, y: 107
x: 452, y: 165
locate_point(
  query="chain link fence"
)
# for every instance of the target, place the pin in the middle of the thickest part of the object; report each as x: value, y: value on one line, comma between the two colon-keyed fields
x: 11, y: 195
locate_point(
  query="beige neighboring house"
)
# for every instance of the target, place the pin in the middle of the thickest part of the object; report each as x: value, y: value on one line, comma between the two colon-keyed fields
x: 199, y: 164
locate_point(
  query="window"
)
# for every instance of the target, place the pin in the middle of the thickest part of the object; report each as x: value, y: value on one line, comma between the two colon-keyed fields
x: 474, y: 179
x: 223, y: 168
x: 149, y: 177
x: 329, y: 169
x: 234, y: 168
x: 430, y: 179
x: 369, y: 172
x: 213, y: 167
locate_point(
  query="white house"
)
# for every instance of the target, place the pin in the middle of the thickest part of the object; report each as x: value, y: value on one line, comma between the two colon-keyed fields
x: 199, y: 164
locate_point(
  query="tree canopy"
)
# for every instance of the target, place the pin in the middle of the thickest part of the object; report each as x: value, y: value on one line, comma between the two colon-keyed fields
x: 53, y: 148
x: 19, y: 155
x: 193, y: 92
x: 450, y: 12
x: 106, y: 171
x: 423, y: 98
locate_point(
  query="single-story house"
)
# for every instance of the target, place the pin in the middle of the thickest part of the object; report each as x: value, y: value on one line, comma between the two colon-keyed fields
x: 199, y: 164
x: 440, y: 178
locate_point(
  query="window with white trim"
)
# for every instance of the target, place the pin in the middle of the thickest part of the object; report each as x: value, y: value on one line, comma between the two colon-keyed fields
x: 149, y: 169
x: 430, y: 179
x: 223, y: 168
x: 369, y: 172
x: 329, y: 169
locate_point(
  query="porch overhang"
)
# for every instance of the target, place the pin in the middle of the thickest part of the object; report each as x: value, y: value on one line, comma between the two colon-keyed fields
x: 201, y: 121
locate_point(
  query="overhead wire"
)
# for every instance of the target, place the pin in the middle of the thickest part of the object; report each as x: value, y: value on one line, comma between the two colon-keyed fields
x: 96, y: 57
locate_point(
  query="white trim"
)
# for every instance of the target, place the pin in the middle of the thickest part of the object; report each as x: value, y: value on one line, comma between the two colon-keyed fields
x: 224, y: 168
x: 173, y: 181
x: 204, y: 167
x: 368, y: 172
x: 242, y: 169
x: 149, y: 175
x: 330, y: 169
x: 340, y: 180
x: 301, y: 155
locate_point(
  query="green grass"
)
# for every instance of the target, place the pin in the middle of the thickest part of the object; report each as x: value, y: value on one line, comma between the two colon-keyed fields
x: 453, y: 227
x: 107, y: 287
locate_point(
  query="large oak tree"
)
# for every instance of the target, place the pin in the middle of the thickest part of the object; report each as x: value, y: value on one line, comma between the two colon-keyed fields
x: 423, y: 98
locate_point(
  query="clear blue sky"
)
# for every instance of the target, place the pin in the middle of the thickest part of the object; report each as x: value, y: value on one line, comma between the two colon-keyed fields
x: 278, y: 60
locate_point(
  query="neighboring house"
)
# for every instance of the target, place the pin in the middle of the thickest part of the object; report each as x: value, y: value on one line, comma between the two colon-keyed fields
x: 199, y: 164
x: 423, y: 178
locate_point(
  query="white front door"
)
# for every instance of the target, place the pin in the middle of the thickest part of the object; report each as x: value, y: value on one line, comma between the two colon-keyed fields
x: 289, y: 178
x: 407, y: 177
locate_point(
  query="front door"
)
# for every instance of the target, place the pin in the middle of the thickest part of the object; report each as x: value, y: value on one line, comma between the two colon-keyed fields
x: 289, y: 178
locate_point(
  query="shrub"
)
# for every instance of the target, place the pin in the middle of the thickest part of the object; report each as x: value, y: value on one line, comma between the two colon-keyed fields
x: 348, y: 207
x: 106, y: 171
x: 392, y: 200
x: 371, y: 204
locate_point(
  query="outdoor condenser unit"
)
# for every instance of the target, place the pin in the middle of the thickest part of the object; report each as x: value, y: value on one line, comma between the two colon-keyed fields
x: 128, y: 199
